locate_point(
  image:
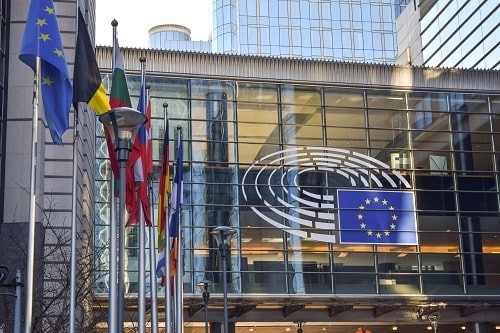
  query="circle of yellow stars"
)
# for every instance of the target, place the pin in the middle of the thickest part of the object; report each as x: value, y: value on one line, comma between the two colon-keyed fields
x: 45, y: 37
x: 364, y: 226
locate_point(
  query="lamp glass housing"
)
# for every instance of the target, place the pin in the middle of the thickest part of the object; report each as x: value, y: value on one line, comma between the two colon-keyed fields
x: 223, y: 234
x: 127, y: 122
x: 205, y: 285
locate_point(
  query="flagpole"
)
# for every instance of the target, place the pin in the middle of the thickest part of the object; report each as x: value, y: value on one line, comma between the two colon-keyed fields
x: 142, y: 222
x: 152, y: 248
x: 72, y: 283
x: 72, y: 293
x: 121, y: 220
x: 31, y: 232
x: 166, y: 248
x: 113, y: 305
x: 180, y: 267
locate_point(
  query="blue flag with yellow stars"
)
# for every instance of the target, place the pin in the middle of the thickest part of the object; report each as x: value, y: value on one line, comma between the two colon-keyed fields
x: 42, y: 38
x: 377, y: 217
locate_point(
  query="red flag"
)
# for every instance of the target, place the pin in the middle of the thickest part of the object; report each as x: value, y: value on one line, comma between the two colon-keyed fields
x: 137, y: 177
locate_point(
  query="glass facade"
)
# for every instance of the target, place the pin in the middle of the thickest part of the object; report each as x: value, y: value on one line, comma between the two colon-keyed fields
x: 270, y: 160
x: 175, y: 37
x: 462, y: 34
x: 341, y: 30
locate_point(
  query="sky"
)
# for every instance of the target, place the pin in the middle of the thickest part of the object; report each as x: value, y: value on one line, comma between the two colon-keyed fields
x: 135, y: 18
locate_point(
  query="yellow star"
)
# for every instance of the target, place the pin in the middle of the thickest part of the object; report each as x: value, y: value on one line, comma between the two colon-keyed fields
x: 363, y: 225
x: 47, y: 81
x: 378, y: 234
x: 44, y: 37
x: 58, y: 52
x: 387, y: 233
x: 49, y: 10
x: 369, y: 232
x: 41, y: 22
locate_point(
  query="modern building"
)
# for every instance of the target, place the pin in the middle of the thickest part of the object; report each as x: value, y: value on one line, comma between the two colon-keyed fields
x: 272, y: 146
x: 460, y: 34
x: 175, y: 37
x: 361, y: 31
x: 281, y: 148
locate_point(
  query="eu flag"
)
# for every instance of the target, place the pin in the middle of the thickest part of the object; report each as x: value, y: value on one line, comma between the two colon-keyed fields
x: 42, y: 39
x: 377, y: 217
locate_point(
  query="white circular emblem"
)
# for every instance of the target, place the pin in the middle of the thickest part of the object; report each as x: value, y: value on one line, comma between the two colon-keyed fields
x: 273, y: 190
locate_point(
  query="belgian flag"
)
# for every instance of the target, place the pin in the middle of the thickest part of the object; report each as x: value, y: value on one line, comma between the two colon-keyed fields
x: 87, y: 84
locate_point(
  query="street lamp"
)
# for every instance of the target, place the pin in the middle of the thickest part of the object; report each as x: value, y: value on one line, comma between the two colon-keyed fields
x: 17, y: 284
x: 223, y: 236
x: 123, y: 124
x: 204, y: 285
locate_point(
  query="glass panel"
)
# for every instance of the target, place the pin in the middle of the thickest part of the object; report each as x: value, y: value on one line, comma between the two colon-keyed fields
x: 441, y: 273
x: 353, y: 273
x: 346, y: 138
x: 345, y: 117
x: 301, y: 115
x: 380, y: 99
x: 307, y: 272
x: 301, y: 95
x: 424, y: 101
x: 387, y: 119
x: 350, y: 98
x: 398, y: 272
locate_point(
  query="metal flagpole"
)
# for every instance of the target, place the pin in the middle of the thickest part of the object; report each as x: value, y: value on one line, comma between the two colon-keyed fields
x: 121, y: 221
x: 152, y: 253
x: 179, y: 290
x: 166, y: 250
x: 142, y: 222
x: 113, y: 267
x: 152, y: 243
x: 72, y: 292
x: 31, y: 233
x: 73, y: 228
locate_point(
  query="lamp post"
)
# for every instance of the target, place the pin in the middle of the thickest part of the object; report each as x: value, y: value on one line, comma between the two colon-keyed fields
x: 223, y: 236
x: 204, y: 285
x: 123, y: 123
x: 4, y: 272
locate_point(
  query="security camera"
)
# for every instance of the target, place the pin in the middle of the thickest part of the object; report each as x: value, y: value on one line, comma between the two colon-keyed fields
x: 4, y: 272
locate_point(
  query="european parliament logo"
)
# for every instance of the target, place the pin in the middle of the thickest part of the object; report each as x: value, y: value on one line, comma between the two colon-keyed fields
x: 331, y: 195
x: 377, y: 217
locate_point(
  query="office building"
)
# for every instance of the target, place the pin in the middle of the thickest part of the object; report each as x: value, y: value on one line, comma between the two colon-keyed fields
x: 361, y: 31
x: 271, y: 148
x: 445, y: 33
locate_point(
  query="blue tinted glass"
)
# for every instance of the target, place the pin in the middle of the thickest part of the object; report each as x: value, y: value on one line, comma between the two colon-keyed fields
x: 264, y: 8
x: 294, y: 10
x: 264, y: 36
x: 252, y: 35
x: 327, y: 39
x: 284, y: 40
x: 283, y: 8
x: 296, y: 37
x: 306, y: 38
x: 251, y: 8
x: 346, y: 39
